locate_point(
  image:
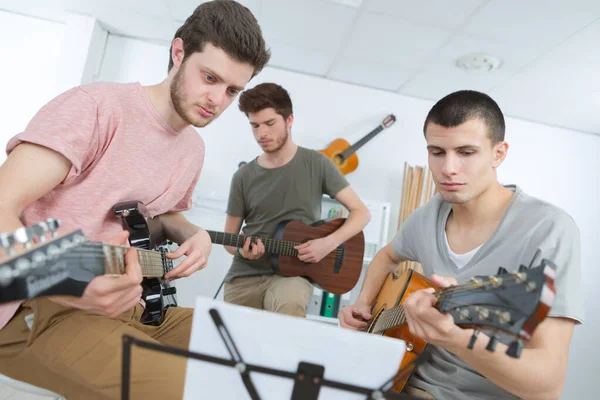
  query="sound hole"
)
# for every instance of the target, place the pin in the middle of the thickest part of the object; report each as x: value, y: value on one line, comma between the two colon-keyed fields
x: 339, y: 159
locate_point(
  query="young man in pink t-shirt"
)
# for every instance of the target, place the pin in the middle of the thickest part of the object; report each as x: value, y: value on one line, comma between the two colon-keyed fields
x: 100, y: 144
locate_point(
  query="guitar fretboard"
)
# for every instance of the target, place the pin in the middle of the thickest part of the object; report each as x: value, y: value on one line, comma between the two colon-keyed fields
x: 354, y: 148
x: 150, y: 260
x: 273, y: 246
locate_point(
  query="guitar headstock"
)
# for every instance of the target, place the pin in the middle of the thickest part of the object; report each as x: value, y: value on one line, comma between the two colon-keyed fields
x: 507, y: 307
x: 388, y: 121
x: 39, y: 259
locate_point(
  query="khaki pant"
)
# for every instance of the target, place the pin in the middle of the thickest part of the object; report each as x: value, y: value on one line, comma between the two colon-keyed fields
x: 78, y: 355
x: 418, y: 393
x: 270, y: 292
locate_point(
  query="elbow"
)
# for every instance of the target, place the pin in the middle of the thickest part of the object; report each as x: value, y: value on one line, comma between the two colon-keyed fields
x: 367, y: 215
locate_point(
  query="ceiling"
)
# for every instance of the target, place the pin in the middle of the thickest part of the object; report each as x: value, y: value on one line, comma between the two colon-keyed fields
x: 549, y: 49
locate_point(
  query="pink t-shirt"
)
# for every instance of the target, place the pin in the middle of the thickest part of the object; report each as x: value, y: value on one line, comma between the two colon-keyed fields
x: 120, y: 149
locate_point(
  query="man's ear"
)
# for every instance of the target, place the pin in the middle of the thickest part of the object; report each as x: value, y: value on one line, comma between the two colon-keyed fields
x: 500, y: 151
x: 289, y: 120
x: 177, y: 53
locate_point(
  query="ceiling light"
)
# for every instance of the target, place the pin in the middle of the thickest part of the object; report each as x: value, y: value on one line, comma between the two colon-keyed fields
x: 478, y: 62
x: 349, y: 3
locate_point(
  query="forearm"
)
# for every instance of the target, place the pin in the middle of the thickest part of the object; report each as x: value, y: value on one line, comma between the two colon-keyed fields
x: 356, y: 221
x: 377, y: 272
x: 231, y: 250
x: 535, y: 375
x: 177, y: 228
x: 9, y: 221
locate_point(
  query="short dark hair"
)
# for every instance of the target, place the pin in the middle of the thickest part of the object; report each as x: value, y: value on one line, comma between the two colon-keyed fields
x: 464, y: 105
x: 266, y: 95
x: 228, y: 25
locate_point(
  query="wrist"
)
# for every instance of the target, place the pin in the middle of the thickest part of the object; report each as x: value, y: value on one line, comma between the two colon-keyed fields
x: 238, y: 250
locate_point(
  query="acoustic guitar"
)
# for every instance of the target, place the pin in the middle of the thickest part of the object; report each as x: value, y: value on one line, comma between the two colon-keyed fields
x: 506, y: 307
x: 337, y: 273
x: 343, y: 154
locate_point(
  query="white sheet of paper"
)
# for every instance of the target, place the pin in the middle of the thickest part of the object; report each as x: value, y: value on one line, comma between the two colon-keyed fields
x: 281, y: 342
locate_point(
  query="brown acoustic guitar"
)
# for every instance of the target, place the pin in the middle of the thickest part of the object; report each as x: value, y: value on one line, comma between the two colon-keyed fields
x: 337, y: 273
x: 343, y: 154
x: 506, y: 307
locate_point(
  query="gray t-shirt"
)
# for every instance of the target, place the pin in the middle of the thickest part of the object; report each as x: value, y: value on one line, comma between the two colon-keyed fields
x: 264, y: 197
x: 529, y: 224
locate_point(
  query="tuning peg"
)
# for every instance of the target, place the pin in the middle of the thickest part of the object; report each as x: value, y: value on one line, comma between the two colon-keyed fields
x: 473, y: 340
x: 39, y: 231
x: 24, y: 235
x: 515, y: 348
x: 7, y: 240
x: 53, y: 225
x: 523, y: 268
x: 502, y: 271
x: 491, y: 346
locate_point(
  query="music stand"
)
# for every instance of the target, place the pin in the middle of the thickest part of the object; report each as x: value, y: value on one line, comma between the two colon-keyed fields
x: 308, y: 379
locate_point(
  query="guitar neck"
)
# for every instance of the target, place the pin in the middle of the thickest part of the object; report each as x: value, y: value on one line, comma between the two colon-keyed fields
x: 152, y: 262
x: 273, y: 246
x: 354, y: 148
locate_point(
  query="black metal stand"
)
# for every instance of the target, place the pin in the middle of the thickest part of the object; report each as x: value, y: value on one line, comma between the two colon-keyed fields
x: 308, y: 379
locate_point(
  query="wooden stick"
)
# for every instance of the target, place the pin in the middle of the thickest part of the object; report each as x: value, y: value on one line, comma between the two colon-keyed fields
x: 428, y: 188
x: 403, y: 198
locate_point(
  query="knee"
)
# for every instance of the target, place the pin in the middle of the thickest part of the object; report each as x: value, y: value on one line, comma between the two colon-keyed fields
x: 290, y: 307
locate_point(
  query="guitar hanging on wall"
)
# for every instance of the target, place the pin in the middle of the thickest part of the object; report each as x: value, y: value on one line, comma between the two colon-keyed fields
x: 343, y: 154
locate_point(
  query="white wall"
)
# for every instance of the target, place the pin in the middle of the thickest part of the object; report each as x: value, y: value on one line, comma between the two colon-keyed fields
x: 555, y: 164
x: 41, y: 59
x: 31, y: 55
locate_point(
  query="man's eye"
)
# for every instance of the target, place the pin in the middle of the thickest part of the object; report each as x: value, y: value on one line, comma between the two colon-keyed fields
x: 232, y: 92
x: 209, y: 78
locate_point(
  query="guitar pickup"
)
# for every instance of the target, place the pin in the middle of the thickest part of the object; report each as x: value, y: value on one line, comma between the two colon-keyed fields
x: 168, y: 291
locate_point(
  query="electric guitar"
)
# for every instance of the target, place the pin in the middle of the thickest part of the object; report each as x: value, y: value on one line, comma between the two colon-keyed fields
x: 51, y: 264
x: 343, y: 154
x: 507, y: 307
x: 337, y: 273
x: 145, y: 234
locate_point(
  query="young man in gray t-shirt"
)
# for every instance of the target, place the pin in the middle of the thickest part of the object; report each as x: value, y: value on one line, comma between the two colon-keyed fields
x: 285, y: 182
x: 472, y: 227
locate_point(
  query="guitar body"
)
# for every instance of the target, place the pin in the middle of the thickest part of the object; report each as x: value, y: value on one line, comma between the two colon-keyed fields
x: 338, y: 272
x: 144, y: 234
x: 394, y: 292
x: 334, y: 153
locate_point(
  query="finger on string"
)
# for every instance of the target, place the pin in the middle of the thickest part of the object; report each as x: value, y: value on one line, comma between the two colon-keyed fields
x: 179, y: 252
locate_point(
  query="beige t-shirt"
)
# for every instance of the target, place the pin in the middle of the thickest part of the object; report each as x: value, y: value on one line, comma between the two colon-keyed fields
x: 120, y: 149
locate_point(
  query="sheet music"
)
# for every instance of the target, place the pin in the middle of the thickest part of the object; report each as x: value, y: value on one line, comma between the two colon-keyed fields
x: 281, y: 342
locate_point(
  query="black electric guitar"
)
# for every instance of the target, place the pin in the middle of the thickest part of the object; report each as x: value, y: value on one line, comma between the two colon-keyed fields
x: 50, y: 264
x: 145, y: 234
